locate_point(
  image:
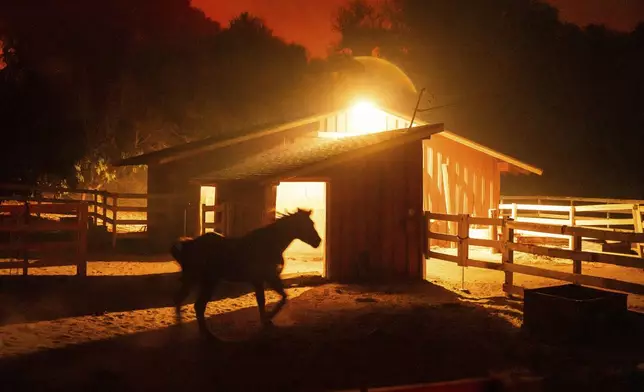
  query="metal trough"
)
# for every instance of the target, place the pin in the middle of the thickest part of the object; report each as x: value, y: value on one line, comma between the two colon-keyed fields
x: 573, y: 313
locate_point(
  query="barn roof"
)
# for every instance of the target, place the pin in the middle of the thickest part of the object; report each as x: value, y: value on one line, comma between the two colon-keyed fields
x: 310, y: 155
x: 187, y: 150
x: 522, y: 166
x: 212, y: 143
x: 495, y: 154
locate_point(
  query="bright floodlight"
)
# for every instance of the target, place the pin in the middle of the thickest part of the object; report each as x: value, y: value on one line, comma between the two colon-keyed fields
x: 365, y: 117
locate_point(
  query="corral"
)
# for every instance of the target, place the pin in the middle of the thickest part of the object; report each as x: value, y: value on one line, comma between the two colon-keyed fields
x: 113, y: 330
x: 395, y: 200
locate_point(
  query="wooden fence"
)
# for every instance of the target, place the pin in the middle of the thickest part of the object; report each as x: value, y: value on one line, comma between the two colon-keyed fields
x: 579, y: 212
x: 123, y: 215
x: 51, y: 242
x: 507, y: 246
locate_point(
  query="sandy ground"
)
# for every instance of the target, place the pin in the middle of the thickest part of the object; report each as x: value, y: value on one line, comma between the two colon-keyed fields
x: 22, y: 333
x: 488, y: 283
x: 115, y: 331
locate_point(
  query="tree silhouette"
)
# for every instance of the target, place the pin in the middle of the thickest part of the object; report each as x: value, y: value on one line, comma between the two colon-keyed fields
x: 136, y: 76
x: 554, y: 94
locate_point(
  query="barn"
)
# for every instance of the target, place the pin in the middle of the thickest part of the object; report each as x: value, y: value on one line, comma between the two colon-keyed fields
x: 366, y: 173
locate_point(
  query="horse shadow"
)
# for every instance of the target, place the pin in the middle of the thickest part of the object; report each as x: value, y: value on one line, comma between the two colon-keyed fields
x: 344, y: 348
x: 41, y: 298
x: 317, y: 346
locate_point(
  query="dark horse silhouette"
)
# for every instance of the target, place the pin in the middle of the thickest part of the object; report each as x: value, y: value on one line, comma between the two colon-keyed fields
x: 255, y: 258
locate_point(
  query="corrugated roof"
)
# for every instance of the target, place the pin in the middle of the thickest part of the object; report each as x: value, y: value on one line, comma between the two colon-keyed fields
x: 307, y: 152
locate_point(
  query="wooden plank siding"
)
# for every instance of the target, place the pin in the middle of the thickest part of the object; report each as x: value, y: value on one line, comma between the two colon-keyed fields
x: 166, y: 216
x: 252, y: 205
x: 473, y: 181
x: 375, y: 216
x: 339, y: 122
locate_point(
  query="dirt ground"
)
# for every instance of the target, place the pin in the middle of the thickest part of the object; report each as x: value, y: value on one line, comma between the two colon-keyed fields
x: 488, y: 283
x: 115, y: 330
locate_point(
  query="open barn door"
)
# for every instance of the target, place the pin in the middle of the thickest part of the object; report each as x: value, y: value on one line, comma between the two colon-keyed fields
x: 300, y: 257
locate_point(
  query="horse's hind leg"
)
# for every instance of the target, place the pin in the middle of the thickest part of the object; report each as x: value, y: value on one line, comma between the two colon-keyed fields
x: 181, y: 296
x: 276, y: 284
x: 205, y: 293
x: 261, y: 302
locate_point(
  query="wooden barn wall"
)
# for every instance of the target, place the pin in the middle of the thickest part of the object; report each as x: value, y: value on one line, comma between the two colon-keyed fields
x: 338, y: 122
x: 175, y: 214
x: 458, y: 179
x: 166, y: 216
x: 374, y: 218
x: 253, y: 205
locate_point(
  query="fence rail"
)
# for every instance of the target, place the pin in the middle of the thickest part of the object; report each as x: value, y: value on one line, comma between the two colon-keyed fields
x: 611, y: 215
x: 24, y: 233
x: 122, y: 214
x: 508, y: 245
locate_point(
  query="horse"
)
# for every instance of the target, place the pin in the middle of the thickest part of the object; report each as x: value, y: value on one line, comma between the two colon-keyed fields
x: 255, y: 258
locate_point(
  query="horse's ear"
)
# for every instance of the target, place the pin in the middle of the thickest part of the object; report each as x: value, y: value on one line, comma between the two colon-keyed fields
x: 307, y: 212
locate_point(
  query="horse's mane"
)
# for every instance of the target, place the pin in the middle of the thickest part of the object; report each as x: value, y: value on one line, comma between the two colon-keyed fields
x: 281, y: 216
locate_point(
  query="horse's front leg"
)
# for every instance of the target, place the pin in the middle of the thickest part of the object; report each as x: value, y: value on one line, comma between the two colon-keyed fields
x: 181, y: 296
x: 261, y: 303
x: 205, y: 293
x: 276, y: 284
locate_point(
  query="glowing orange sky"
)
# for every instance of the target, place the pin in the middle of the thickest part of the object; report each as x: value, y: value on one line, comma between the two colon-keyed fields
x: 308, y: 22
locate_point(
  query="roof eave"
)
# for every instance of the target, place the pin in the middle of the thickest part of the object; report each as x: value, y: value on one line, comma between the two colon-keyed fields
x: 417, y: 133
x: 150, y: 159
x: 478, y: 147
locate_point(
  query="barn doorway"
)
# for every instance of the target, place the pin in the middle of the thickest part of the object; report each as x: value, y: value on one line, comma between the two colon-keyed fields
x: 301, y: 258
x: 207, y: 214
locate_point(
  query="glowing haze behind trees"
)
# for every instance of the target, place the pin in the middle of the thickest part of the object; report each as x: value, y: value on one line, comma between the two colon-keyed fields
x: 515, y: 77
x: 125, y: 77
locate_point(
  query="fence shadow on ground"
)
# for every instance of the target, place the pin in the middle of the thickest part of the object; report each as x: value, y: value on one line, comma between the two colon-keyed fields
x: 39, y: 298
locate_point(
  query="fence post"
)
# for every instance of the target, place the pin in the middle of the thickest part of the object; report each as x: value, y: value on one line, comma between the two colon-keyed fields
x: 571, y: 223
x: 104, y: 202
x: 508, y: 255
x: 95, y: 209
x: 515, y: 211
x: 463, y: 244
x: 463, y: 239
x: 115, y: 204
x: 81, y: 266
x: 25, y: 260
x: 576, y: 264
x: 638, y: 226
x: 425, y: 228
x: 493, y: 213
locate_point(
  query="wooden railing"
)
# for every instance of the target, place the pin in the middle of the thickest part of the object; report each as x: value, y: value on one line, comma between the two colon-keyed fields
x: 507, y: 245
x: 565, y: 200
x: 626, y: 214
x: 122, y: 214
x: 30, y: 236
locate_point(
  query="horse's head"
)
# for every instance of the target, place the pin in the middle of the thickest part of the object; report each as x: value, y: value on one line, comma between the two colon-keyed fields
x: 303, y: 228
